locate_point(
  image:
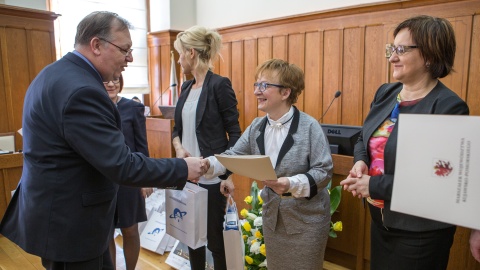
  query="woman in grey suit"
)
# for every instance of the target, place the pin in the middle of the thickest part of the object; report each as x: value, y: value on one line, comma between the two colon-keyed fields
x: 296, y: 209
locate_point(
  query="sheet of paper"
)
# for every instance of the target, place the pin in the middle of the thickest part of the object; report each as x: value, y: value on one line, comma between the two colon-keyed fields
x: 258, y: 167
x: 437, y: 173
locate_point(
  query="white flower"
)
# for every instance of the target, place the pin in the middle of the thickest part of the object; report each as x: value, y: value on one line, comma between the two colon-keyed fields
x: 255, y: 248
x: 263, y: 264
x: 251, y: 216
x: 258, y: 222
x: 253, y: 231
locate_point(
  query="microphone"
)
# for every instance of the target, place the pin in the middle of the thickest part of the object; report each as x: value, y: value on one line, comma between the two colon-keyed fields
x: 337, y: 94
x: 153, y: 106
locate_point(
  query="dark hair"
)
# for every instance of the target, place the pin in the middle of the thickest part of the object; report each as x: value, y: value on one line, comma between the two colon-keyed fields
x: 98, y: 24
x: 435, y: 38
x: 288, y: 75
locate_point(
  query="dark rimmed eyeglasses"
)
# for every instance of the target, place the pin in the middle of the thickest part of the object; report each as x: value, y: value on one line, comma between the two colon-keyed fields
x: 400, y: 49
x: 262, y: 86
x: 115, y: 82
x: 126, y: 52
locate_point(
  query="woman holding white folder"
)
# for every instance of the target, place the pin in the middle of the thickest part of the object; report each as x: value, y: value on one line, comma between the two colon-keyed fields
x: 296, y: 209
x: 423, y: 51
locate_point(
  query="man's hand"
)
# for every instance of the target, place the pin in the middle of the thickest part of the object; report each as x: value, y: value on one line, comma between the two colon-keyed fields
x: 196, y: 168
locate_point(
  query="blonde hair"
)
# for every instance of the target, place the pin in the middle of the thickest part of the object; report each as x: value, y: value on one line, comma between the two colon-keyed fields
x: 206, y: 42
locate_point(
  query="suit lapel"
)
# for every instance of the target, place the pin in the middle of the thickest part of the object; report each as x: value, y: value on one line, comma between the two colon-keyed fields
x: 261, y: 137
x: 288, y: 143
x: 202, y: 100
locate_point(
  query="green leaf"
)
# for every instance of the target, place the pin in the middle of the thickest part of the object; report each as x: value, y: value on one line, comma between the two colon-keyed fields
x: 335, y: 198
x: 332, y: 234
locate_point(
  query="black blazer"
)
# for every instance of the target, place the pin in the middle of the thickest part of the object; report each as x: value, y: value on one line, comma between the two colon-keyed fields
x: 74, y: 157
x: 440, y: 100
x: 217, y: 115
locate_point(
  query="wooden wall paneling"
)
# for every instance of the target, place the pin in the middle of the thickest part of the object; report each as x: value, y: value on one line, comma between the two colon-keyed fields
x: 20, y: 68
x: 10, y: 173
x: 280, y: 45
x: 237, y: 80
x: 296, y: 55
x: 353, y: 75
x: 224, y: 67
x: 375, y: 66
x: 332, y: 73
x: 250, y: 64
x: 159, y: 137
x: 458, y: 79
x: 265, y: 51
x: 313, y: 99
x: 155, y: 81
x: 473, y: 92
x: 164, y: 75
x: 4, y: 74
x: 160, y: 44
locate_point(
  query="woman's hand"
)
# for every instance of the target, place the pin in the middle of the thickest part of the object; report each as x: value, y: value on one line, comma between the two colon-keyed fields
x: 358, y: 186
x: 475, y: 244
x: 227, y: 187
x: 146, y: 192
x: 280, y: 186
x: 182, y: 153
x: 359, y: 168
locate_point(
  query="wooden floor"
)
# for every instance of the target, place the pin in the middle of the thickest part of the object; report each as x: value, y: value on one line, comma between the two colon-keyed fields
x: 13, y: 257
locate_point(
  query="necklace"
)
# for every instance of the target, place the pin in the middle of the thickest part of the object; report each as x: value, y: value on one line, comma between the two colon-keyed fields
x: 278, y: 124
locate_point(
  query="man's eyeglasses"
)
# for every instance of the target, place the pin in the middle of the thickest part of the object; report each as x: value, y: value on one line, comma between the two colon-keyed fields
x: 126, y: 52
x: 400, y: 49
x: 262, y: 86
x: 115, y: 82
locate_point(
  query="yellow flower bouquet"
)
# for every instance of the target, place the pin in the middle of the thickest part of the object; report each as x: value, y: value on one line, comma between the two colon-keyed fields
x: 255, y: 249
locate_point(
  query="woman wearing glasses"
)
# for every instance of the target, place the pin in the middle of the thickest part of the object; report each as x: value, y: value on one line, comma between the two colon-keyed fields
x: 206, y: 123
x: 296, y: 209
x: 423, y: 51
x: 130, y: 200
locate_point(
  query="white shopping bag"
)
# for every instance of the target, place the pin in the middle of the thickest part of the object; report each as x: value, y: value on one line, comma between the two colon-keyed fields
x: 232, y: 238
x: 186, y: 215
x: 154, y: 233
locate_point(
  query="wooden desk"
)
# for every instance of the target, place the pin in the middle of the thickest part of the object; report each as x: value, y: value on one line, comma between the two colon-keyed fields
x: 10, y: 172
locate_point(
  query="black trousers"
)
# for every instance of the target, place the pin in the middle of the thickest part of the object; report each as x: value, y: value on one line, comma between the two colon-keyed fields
x: 103, y: 262
x: 395, y: 249
x: 215, y: 218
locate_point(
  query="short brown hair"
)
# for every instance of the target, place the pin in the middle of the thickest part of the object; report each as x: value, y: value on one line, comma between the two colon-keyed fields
x: 289, y: 75
x: 435, y: 38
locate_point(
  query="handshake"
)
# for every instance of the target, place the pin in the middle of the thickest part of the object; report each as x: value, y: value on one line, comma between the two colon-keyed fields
x: 196, y: 167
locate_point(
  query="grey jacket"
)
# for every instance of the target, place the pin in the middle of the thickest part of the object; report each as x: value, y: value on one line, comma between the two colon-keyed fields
x: 304, y: 151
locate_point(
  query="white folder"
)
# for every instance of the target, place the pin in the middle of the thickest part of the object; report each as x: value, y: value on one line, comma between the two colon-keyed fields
x: 437, y: 173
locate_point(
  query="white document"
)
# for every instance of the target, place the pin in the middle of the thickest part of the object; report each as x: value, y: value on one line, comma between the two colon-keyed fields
x: 258, y: 167
x: 437, y: 173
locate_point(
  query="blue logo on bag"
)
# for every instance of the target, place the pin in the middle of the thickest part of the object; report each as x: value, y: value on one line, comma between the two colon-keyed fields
x: 155, y: 231
x: 177, y: 214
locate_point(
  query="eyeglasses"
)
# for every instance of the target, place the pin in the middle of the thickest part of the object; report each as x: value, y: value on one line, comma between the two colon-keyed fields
x: 400, y: 49
x: 115, y: 82
x: 126, y: 52
x: 262, y: 86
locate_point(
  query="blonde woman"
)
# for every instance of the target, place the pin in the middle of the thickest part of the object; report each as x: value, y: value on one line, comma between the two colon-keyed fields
x: 206, y: 123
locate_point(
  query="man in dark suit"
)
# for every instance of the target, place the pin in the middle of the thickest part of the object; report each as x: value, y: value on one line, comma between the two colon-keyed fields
x: 75, y: 154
